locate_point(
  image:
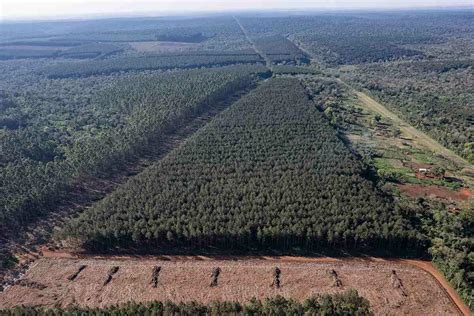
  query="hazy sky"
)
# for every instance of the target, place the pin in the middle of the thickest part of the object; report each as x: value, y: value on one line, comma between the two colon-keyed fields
x: 67, y: 8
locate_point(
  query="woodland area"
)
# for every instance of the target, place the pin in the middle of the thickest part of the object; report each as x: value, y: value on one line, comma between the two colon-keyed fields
x: 167, y: 61
x: 449, y: 234
x: 280, y: 50
x: 214, y: 190
x: 435, y: 96
x: 273, y: 172
x: 48, y: 146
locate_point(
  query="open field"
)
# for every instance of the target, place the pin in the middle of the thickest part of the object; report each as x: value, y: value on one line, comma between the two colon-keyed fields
x: 157, y: 46
x: 185, y: 279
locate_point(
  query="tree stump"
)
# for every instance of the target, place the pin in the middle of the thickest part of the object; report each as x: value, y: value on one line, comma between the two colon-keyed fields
x: 215, y: 276
x: 276, y: 278
x: 336, y: 282
x: 154, y: 276
x: 73, y: 276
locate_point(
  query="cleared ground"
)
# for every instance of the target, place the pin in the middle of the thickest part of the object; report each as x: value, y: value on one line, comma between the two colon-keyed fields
x: 156, y: 46
x: 185, y: 279
x: 415, y: 190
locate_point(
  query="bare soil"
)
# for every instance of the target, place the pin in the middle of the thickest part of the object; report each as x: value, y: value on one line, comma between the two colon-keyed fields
x: 417, y: 190
x: 241, y: 278
x: 156, y: 46
x: 34, y: 47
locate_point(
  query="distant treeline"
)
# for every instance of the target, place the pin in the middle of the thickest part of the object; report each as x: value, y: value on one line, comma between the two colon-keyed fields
x: 166, y: 61
x: 38, y: 50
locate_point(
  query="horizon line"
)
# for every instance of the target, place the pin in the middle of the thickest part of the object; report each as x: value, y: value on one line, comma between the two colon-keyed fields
x: 184, y: 13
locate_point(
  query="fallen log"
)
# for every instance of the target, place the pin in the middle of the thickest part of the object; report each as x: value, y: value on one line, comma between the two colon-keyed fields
x: 111, y: 272
x: 214, y: 276
x: 73, y: 276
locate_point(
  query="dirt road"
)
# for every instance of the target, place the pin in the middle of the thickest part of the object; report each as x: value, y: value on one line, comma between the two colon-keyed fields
x: 453, y: 295
x: 417, y: 136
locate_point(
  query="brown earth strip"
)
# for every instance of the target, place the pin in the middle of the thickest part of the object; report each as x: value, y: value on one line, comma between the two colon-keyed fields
x: 188, y: 277
x: 158, y: 46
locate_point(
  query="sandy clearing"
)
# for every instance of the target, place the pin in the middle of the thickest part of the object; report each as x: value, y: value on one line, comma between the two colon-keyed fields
x: 443, y: 282
x: 185, y: 278
x: 422, y: 264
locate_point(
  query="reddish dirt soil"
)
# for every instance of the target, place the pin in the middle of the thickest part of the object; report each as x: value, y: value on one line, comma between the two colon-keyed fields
x: 185, y: 278
x: 466, y: 193
x: 417, y: 190
x: 416, y: 165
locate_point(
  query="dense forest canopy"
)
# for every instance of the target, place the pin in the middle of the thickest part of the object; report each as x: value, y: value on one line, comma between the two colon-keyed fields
x: 353, y: 38
x: 269, y: 172
x: 80, y: 69
x: 280, y: 50
x: 57, y: 133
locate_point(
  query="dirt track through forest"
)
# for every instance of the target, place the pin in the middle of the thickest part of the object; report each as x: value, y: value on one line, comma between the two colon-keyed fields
x: 247, y: 36
x: 417, y: 135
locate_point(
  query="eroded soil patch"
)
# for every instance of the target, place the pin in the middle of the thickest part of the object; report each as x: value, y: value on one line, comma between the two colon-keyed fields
x: 417, y: 190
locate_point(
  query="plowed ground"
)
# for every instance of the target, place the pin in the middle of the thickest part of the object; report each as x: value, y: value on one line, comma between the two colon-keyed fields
x: 186, y: 279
